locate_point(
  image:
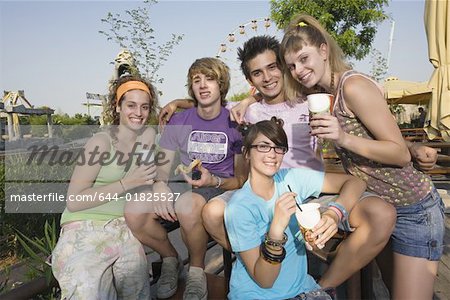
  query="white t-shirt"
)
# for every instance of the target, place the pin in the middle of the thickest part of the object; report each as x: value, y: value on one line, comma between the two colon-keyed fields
x: 302, y: 145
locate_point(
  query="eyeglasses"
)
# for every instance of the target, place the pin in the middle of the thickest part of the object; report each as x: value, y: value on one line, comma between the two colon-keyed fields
x: 266, y: 148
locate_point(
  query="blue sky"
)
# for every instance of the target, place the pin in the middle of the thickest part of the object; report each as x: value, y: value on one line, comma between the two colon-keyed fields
x: 53, y: 51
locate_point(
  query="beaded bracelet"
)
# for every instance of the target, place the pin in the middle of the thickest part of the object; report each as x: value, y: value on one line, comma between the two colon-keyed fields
x: 341, y: 208
x: 275, y: 243
x: 272, y: 258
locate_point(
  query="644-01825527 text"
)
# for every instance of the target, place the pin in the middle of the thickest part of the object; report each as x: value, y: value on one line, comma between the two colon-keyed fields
x: 57, y: 197
x: 169, y: 197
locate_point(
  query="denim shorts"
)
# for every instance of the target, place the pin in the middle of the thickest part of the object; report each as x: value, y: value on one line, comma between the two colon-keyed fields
x: 420, y: 228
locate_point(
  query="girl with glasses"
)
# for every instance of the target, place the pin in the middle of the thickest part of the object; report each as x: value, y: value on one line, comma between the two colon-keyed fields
x: 261, y: 224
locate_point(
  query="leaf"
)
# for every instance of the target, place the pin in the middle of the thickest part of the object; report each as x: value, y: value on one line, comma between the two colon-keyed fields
x: 28, y: 249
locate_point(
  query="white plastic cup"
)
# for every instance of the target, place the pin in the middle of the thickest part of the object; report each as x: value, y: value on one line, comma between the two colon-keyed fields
x: 309, y: 216
x: 319, y: 103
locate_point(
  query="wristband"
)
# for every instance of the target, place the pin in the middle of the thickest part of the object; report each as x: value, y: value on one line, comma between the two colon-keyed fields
x: 341, y: 208
x: 337, y: 212
x: 219, y: 181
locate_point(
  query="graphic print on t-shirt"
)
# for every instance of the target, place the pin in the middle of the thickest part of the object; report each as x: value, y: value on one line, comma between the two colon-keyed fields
x: 208, y: 146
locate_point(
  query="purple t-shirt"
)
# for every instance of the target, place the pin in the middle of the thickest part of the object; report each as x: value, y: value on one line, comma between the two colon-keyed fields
x: 214, y: 142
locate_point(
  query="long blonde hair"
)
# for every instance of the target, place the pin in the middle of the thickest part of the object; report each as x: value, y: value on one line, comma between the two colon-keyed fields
x: 305, y: 30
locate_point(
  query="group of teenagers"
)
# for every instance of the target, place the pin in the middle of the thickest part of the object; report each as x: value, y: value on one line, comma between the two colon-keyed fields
x: 253, y: 176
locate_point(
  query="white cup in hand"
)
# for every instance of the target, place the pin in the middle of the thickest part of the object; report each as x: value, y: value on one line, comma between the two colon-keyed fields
x: 319, y: 103
x: 307, y: 218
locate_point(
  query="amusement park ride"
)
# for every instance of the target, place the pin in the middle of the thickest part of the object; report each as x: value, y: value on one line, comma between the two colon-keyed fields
x: 14, y: 104
x: 124, y: 63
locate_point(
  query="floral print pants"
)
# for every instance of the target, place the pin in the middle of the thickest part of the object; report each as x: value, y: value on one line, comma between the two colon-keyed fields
x: 100, y: 260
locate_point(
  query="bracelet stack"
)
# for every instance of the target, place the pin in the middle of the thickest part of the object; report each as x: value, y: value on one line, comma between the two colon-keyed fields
x: 275, y: 243
x: 272, y: 258
x: 339, y: 209
x: 270, y: 245
x: 337, y: 212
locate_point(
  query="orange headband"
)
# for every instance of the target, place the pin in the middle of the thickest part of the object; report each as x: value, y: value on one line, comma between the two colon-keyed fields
x: 131, y: 85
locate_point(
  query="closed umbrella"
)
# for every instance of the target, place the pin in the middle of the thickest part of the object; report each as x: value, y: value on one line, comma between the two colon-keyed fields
x: 437, y: 26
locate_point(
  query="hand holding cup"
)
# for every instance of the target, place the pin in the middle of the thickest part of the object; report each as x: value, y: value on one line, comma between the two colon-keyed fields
x: 308, y: 216
x: 319, y: 103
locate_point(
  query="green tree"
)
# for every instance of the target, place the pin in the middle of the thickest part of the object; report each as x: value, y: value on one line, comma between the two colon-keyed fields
x: 239, y: 97
x: 353, y: 23
x: 379, y: 65
x: 133, y: 31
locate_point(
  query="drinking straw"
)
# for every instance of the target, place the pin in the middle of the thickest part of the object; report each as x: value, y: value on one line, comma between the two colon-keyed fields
x: 296, y: 203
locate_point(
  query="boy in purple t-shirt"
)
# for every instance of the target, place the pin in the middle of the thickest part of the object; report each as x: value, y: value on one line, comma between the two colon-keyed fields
x: 203, y: 132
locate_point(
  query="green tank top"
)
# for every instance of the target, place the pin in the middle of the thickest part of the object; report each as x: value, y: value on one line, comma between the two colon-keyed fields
x: 112, y: 208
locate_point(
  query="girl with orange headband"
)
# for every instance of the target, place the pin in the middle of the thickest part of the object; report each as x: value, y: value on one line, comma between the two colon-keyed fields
x: 98, y: 255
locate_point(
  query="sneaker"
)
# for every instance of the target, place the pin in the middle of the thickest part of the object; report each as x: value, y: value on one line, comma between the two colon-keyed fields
x: 168, y: 281
x: 196, y: 288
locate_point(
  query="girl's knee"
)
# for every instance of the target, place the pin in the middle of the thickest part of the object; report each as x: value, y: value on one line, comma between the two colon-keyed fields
x: 189, y: 205
x: 135, y: 221
x: 213, y: 211
x: 379, y: 211
x: 377, y: 217
x: 138, y: 221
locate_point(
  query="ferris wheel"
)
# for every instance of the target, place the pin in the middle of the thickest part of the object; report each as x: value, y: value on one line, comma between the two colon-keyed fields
x: 227, y: 49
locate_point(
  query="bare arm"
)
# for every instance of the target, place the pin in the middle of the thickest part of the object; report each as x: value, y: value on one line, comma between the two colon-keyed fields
x: 231, y: 183
x: 238, y: 111
x: 84, y: 176
x: 164, y: 209
x: 263, y: 272
x: 169, y: 109
x: 364, y: 98
x: 424, y: 157
x: 350, y: 189
x: 367, y: 103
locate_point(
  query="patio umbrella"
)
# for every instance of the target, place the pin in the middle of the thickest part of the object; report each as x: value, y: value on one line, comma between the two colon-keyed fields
x: 437, y: 26
x: 406, y: 92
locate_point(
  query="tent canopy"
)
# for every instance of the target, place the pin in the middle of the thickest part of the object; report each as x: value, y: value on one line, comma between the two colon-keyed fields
x: 406, y: 92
